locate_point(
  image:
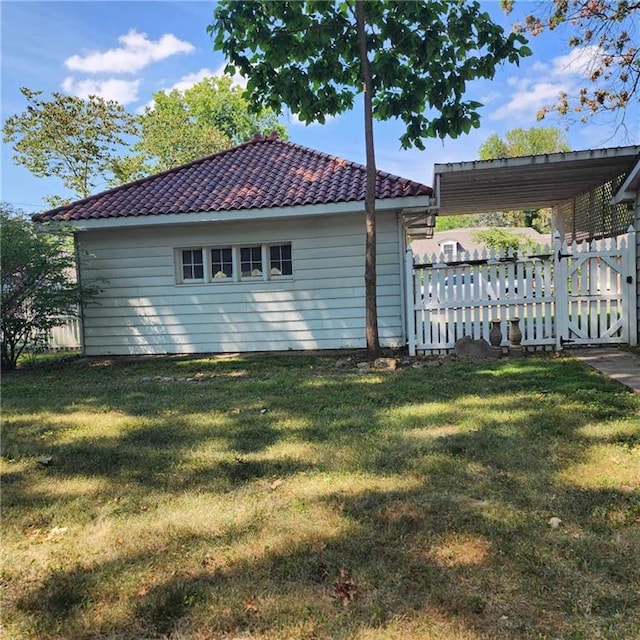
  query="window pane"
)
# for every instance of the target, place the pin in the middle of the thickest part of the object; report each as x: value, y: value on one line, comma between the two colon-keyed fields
x: 221, y: 263
x: 192, y: 264
x: 280, y: 260
x: 251, y: 261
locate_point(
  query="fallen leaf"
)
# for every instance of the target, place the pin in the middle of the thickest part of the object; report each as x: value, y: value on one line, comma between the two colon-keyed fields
x: 276, y: 483
x: 344, y: 588
x: 251, y: 606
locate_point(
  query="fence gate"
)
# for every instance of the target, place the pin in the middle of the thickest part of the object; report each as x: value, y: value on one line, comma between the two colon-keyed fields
x: 577, y: 294
x: 595, y: 285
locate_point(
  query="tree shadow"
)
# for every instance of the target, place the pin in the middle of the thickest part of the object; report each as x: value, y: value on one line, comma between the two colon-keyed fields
x: 469, y: 540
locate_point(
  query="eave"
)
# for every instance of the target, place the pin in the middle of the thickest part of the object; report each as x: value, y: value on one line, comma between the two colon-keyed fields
x: 529, y: 182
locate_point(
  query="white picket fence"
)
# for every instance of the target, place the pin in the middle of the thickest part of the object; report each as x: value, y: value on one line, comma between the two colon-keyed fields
x: 565, y: 294
x: 65, y: 336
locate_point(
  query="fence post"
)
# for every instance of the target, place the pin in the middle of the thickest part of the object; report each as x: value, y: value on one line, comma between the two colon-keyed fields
x: 410, y: 301
x: 629, y: 286
x: 561, y: 300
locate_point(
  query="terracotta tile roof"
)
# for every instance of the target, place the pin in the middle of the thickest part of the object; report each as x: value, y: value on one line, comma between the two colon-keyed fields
x: 261, y: 174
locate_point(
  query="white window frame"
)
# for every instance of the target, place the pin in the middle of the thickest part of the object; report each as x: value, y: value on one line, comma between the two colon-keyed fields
x: 234, y: 266
x: 451, y: 246
x: 180, y: 266
x: 237, y: 277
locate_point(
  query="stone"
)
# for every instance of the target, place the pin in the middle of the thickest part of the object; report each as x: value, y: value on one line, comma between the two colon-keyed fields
x: 469, y: 348
x: 385, y: 364
x: 344, y: 363
x: 364, y: 365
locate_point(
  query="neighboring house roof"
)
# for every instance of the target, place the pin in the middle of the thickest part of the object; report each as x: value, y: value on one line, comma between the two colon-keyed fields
x: 260, y: 174
x: 465, y: 239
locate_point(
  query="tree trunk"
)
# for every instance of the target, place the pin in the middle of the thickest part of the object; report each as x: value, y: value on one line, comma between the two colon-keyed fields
x: 370, y: 278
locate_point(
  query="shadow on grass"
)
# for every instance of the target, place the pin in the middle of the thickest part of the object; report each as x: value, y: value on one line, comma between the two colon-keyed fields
x: 411, y: 554
x: 470, y: 541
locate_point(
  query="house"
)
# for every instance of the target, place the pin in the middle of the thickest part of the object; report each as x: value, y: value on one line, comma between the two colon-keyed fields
x: 455, y: 244
x: 259, y: 247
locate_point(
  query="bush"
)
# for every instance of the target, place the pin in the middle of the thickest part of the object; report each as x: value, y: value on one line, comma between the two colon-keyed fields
x: 38, y: 284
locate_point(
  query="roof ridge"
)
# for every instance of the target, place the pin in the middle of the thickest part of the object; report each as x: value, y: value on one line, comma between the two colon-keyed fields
x: 237, y: 163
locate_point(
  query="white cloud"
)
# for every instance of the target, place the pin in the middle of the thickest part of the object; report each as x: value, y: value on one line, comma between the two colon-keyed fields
x: 490, y: 97
x: 560, y: 75
x: 578, y: 62
x: 122, y: 91
x: 136, y: 52
x: 186, y: 82
x: 528, y: 99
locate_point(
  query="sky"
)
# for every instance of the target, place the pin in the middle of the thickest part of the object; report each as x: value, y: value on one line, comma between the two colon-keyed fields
x: 127, y: 51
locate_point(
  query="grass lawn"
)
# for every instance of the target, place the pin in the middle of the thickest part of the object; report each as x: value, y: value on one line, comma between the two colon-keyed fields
x: 281, y: 498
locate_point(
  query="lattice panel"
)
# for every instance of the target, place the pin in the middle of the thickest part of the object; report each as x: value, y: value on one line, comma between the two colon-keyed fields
x: 591, y: 215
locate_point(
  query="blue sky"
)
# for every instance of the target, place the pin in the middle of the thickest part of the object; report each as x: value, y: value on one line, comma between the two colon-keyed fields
x: 129, y: 50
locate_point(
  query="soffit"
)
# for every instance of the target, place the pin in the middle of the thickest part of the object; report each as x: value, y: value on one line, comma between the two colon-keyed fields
x: 530, y: 182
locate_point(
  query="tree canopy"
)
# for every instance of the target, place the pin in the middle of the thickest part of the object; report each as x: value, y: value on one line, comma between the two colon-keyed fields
x: 502, y: 240
x: 422, y: 55
x: 524, y: 142
x: 411, y: 61
x: 181, y: 126
x: 95, y: 142
x: 606, y: 34
x: 69, y: 138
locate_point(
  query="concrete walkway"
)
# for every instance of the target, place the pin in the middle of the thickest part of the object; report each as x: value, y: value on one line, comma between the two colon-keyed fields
x: 617, y: 364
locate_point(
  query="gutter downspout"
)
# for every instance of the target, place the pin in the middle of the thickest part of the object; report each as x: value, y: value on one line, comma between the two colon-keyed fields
x: 76, y: 249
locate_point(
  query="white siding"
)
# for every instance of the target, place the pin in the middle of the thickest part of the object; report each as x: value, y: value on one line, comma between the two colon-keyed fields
x: 143, y: 311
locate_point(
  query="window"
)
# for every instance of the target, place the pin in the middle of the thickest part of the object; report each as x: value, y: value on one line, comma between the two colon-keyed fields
x: 449, y: 249
x: 234, y: 263
x: 251, y: 261
x: 280, y: 260
x: 222, y: 263
x: 192, y: 264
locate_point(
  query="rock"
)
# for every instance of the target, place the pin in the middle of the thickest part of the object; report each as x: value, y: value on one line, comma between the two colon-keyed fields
x: 363, y: 366
x: 554, y: 522
x: 45, y: 461
x: 344, y: 363
x: 432, y: 363
x: 405, y: 362
x: 469, y: 348
x: 385, y: 364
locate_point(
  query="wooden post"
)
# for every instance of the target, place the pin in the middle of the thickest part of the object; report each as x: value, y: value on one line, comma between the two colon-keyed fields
x: 561, y: 301
x: 410, y: 302
x: 629, y: 289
